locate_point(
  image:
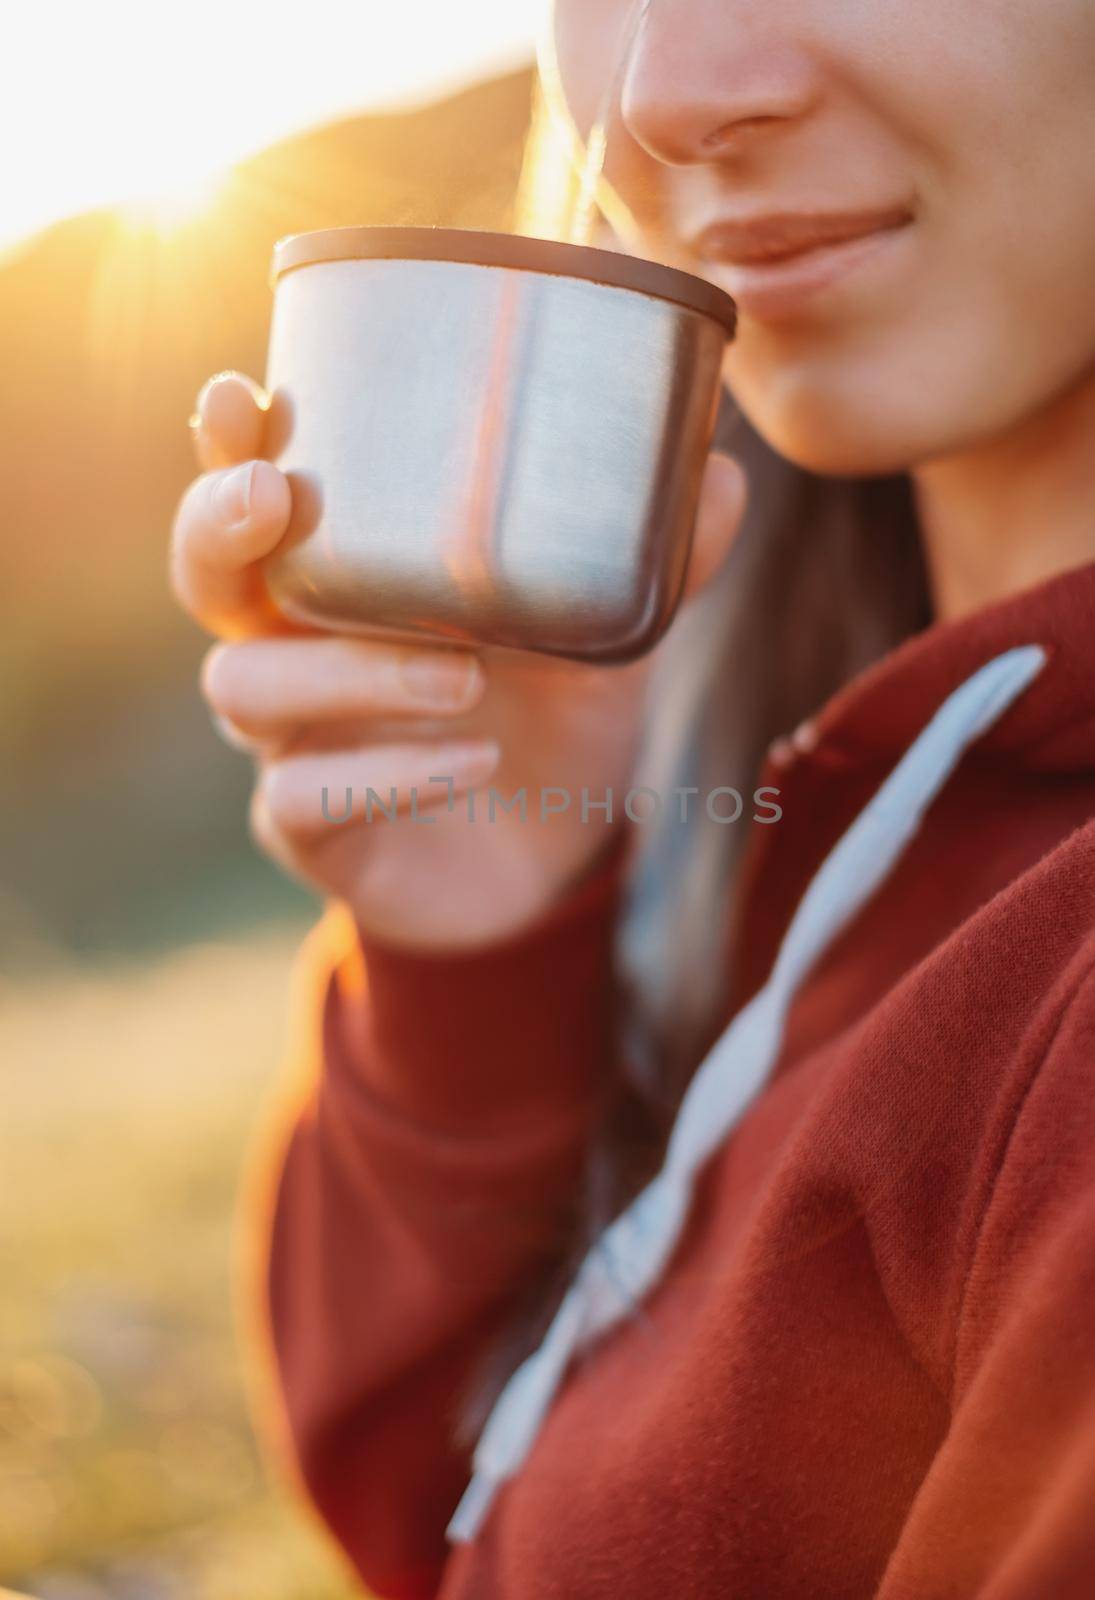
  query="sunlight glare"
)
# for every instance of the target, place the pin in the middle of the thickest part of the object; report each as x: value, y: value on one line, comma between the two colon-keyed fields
x: 109, y: 103
x: 168, y: 209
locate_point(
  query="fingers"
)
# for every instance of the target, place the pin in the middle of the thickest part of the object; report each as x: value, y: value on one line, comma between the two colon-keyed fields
x: 304, y: 797
x: 266, y: 688
x: 231, y: 517
x: 722, y: 506
x: 227, y: 522
x: 229, y: 421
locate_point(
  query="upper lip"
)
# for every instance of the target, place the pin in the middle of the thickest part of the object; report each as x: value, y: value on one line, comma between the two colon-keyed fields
x: 778, y: 235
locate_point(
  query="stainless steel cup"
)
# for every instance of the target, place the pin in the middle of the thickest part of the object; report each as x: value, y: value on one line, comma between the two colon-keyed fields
x: 491, y: 439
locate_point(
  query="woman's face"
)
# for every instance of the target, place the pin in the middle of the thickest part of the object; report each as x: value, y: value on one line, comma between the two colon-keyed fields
x: 948, y: 147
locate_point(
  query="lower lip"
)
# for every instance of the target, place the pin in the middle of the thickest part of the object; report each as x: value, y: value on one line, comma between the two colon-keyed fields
x: 773, y: 290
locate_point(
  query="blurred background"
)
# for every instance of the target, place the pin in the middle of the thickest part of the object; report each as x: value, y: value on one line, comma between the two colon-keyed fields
x: 152, y: 157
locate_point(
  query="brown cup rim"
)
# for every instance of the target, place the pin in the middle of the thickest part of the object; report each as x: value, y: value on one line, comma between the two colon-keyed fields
x: 516, y: 251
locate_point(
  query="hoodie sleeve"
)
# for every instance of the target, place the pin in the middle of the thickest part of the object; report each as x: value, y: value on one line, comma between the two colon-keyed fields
x: 1008, y: 1509
x: 427, y: 1179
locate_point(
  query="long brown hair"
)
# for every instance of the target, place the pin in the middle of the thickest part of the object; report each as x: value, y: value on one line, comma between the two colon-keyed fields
x: 825, y: 576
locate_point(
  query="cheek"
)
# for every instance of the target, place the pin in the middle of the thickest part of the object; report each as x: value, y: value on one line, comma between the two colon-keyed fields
x: 975, y: 345
x: 987, y: 109
x: 992, y: 315
x: 833, y: 405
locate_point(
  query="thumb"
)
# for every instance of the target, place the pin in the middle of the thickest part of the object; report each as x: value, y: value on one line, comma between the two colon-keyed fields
x: 228, y: 423
x: 722, y: 506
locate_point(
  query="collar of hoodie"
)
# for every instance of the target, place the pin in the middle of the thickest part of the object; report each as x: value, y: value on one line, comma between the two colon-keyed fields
x: 1051, y: 728
x: 630, y: 1257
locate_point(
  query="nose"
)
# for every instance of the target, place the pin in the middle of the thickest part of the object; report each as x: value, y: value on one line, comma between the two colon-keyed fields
x: 704, y: 74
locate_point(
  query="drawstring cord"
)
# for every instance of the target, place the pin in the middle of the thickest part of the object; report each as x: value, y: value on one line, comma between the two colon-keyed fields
x: 630, y: 1256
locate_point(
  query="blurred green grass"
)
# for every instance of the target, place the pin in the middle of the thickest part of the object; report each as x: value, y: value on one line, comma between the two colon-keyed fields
x: 127, y: 1466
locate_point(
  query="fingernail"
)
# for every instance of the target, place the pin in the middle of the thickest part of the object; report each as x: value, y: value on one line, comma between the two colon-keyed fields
x: 442, y: 680
x: 232, y: 495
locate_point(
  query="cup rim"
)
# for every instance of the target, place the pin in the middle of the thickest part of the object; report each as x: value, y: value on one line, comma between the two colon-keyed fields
x: 516, y: 251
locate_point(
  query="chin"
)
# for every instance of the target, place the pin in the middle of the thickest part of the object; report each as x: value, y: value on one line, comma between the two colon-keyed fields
x: 834, y: 442
x: 834, y: 452
x: 842, y: 429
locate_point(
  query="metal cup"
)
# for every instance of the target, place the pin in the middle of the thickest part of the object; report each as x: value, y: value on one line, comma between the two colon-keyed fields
x: 491, y: 440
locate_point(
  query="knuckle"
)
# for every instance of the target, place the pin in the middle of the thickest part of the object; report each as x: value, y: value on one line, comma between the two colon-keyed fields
x: 183, y: 515
x: 235, y: 736
x: 194, y: 517
x: 259, y: 826
x: 230, y: 683
x: 275, y: 791
x: 231, y: 679
x: 262, y: 825
x: 216, y: 675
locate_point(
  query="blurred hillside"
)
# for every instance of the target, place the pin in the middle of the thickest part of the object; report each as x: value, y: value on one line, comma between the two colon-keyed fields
x: 145, y: 946
x: 122, y: 817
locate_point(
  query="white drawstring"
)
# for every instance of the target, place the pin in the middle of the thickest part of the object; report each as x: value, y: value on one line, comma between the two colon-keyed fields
x: 630, y: 1256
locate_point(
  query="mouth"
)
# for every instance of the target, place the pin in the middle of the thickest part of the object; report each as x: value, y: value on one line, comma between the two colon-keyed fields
x: 773, y: 264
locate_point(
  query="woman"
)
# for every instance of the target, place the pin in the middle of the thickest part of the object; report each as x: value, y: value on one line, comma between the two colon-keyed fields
x: 853, y: 1349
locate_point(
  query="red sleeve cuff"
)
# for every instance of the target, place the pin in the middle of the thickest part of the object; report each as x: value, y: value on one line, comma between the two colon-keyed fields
x: 465, y: 1040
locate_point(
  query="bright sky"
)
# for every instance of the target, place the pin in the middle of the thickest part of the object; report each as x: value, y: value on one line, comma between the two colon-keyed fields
x: 104, y: 101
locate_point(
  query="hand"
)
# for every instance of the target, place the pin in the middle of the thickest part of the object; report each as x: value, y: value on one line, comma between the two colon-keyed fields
x: 319, y: 710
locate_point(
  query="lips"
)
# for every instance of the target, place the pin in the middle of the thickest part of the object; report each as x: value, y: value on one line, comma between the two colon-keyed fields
x: 784, y: 234
x: 771, y: 264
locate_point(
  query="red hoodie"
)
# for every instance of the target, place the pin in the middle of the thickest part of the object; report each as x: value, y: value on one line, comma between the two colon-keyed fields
x: 869, y: 1370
